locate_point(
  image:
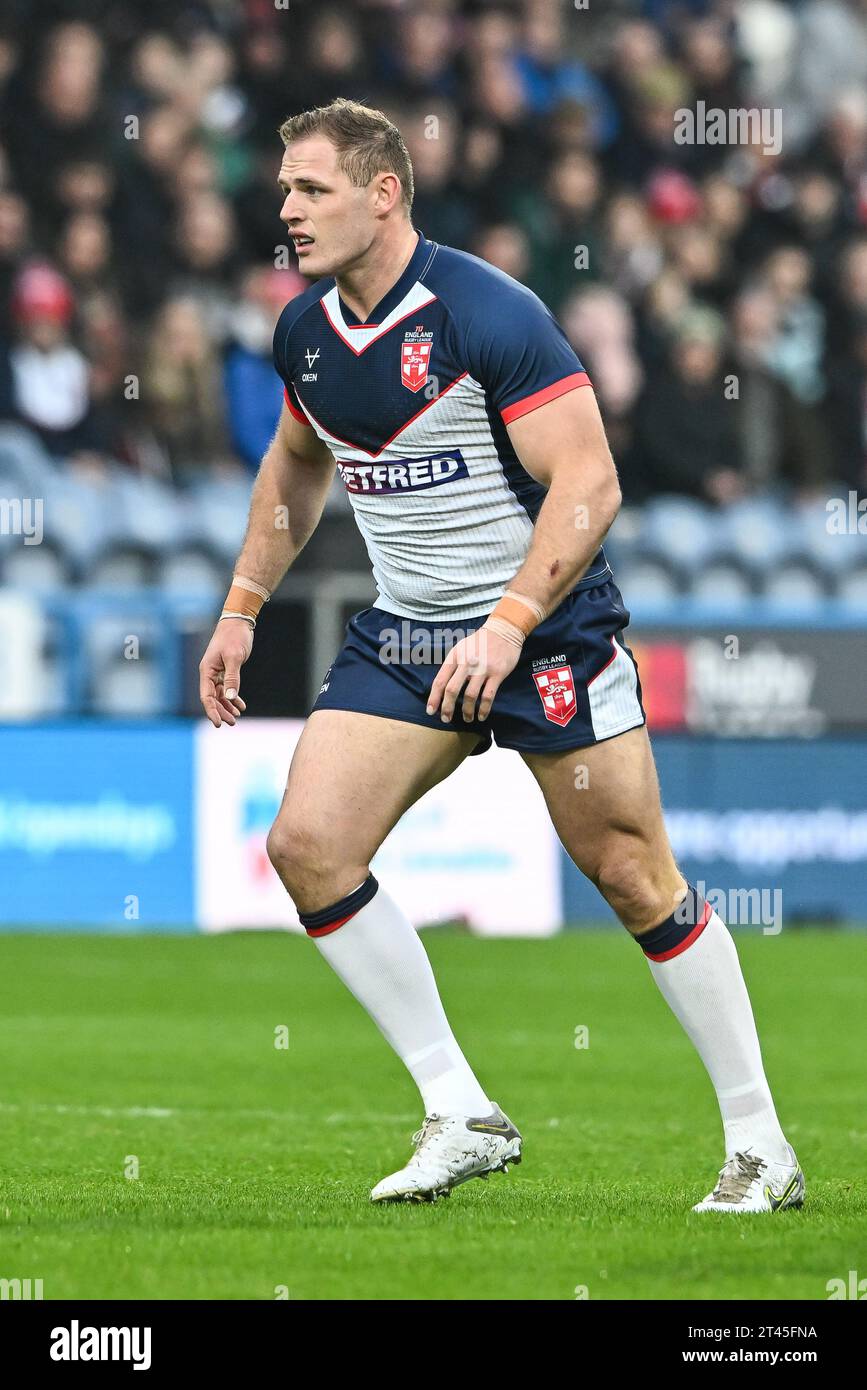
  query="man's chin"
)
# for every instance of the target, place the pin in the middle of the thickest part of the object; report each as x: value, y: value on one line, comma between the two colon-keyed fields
x: 313, y: 267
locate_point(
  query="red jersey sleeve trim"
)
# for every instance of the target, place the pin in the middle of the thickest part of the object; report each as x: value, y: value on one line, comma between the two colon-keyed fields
x: 548, y: 393
x: 294, y: 411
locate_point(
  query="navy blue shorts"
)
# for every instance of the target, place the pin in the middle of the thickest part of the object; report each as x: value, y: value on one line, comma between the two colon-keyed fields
x: 575, y: 684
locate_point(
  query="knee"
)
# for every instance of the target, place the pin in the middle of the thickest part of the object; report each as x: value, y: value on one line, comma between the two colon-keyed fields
x: 312, y: 865
x: 296, y: 851
x: 625, y: 878
x: 284, y: 848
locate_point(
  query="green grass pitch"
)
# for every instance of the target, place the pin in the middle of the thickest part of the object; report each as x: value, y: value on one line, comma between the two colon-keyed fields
x: 157, y: 1055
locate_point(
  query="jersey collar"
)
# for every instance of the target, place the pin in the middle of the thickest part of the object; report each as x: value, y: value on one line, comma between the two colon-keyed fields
x: 418, y: 263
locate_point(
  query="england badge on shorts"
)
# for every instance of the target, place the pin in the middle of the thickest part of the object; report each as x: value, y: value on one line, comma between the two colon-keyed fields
x: 415, y: 354
x: 556, y: 687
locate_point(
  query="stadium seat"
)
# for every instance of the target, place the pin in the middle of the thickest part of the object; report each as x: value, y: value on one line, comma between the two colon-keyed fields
x: 797, y: 585
x: 126, y: 688
x: 193, y: 570
x: 756, y: 531
x: 726, y: 582
x: 680, y: 528
x: 79, y: 517
x: 215, y: 515
x: 852, y: 589
x: 149, y: 511
x: 23, y: 458
x: 650, y: 580
x: 121, y: 566
x: 107, y: 633
x: 35, y: 568
x: 820, y: 537
x: 623, y: 541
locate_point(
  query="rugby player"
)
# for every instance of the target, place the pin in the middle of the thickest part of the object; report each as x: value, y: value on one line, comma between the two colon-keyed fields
x: 468, y: 438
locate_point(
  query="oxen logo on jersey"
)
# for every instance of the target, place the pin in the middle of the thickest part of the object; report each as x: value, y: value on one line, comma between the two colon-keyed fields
x: 403, y: 475
x: 415, y: 354
x: 556, y: 687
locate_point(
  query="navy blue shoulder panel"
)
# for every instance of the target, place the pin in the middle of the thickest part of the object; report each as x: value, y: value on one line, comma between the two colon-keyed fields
x: 510, y: 340
x: 290, y: 316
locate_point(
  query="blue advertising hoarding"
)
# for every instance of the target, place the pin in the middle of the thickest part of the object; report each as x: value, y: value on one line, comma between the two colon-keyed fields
x: 101, y: 827
x: 784, y: 821
x: 96, y: 826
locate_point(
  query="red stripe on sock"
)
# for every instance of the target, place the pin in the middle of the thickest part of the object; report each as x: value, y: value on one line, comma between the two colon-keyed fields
x: 332, y: 926
x: 687, y: 940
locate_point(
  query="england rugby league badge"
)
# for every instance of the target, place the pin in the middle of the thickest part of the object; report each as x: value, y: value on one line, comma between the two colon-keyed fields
x: 415, y: 354
x: 556, y: 686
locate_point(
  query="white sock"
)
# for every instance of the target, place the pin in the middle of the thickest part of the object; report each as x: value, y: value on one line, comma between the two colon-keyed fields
x: 379, y: 957
x: 704, y: 987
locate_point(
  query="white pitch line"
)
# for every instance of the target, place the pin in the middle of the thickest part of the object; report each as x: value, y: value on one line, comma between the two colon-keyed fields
x: 151, y: 1112
x: 161, y: 1112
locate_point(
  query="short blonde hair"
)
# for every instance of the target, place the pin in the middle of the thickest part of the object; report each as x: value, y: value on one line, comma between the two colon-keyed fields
x: 367, y: 142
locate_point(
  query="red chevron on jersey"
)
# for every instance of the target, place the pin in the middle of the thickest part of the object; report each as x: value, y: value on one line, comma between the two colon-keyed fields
x: 556, y: 689
x: 415, y: 358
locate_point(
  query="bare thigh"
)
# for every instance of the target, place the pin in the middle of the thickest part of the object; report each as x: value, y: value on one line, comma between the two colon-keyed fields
x: 604, y: 802
x: 352, y: 777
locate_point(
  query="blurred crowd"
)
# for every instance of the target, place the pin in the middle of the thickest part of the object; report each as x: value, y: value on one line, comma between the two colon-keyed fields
x: 717, y: 293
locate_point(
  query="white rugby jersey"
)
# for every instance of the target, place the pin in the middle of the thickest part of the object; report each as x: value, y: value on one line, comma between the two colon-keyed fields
x: 414, y: 404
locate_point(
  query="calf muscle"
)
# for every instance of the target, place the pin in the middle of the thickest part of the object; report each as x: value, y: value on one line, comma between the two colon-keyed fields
x: 604, y: 802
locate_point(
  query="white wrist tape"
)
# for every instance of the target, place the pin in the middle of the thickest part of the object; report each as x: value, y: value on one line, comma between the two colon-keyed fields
x: 252, y: 586
x: 246, y: 616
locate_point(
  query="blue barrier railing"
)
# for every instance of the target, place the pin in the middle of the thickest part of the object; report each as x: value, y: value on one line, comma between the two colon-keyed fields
x: 73, y: 612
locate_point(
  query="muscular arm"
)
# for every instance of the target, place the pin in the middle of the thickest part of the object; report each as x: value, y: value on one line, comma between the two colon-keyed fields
x: 287, y: 502
x: 563, y: 446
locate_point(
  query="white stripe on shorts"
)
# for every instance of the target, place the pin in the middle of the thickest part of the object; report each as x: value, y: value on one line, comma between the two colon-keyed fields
x: 613, y: 696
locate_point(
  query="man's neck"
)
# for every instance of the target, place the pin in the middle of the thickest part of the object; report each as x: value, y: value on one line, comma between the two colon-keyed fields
x: 362, y: 288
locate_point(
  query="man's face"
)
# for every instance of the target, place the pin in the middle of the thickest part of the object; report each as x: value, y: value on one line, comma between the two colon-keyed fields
x: 330, y: 220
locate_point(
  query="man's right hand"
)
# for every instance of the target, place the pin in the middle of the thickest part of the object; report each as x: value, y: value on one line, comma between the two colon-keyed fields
x: 220, y: 671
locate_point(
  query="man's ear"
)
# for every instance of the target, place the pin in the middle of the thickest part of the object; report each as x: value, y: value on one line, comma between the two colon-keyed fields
x: 388, y: 192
